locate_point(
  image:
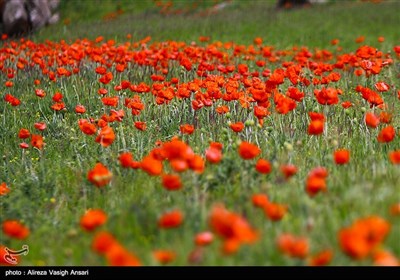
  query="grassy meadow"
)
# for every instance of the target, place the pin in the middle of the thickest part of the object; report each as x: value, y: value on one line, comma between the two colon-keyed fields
x: 226, y: 120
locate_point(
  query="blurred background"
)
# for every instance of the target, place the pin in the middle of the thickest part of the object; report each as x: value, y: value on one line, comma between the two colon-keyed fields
x: 186, y: 20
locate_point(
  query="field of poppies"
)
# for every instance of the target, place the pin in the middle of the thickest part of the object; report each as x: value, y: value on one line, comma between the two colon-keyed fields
x: 131, y: 150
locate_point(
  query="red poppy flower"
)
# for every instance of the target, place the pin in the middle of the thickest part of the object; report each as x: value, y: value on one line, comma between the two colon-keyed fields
x: 204, y: 238
x: 24, y: 133
x: 58, y: 106
x: 384, y: 258
x: 386, y: 135
x: 4, y: 189
x: 363, y: 236
x: 293, y: 246
x: 394, y: 157
x: 260, y: 200
x: 37, y: 141
x: 382, y: 86
x: 237, y: 127
x: 106, y: 136
x: 248, y: 150
x: 275, y: 211
x: 57, y: 97
x: 140, y: 125
x: 86, y: 127
x: 321, y: 258
x: 15, y: 229
x: 40, y: 93
x: 99, y: 175
x: 126, y: 159
x: 315, y: 127
x: 40, y: 126
x: 263, y: 166
x: 171, y: 182
x: 151, y: 166
x: 164, y: 256
x: 233, y: 228
x: 102, y: 242
x: 110, y: 101
x: 13, y: 101
x: 187, y: 129
x: 80, y: 109
x: 171, y: 219
x: 288, y: 170
x: 341, y: 156
x: 92, y: 219
x: 371, y: 120
x: 213, y: 155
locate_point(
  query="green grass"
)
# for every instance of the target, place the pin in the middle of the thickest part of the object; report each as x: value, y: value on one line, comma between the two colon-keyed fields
x: 240, y: 22
x: 50, y: 192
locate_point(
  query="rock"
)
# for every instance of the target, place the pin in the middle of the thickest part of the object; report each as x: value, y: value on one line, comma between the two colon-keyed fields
x: 19, y: 17
x: 292, y: 3
x: 15, y: 18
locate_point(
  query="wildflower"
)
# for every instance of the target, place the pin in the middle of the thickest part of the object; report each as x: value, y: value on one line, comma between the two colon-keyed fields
x: 106, y: 136
x: 15, y: 229
x: 80, y: 109
x: 213, y: 154
x: 40, y: 126
x: 293, y: 246
x: 140, y: 125
x: 316, y: 181
x: 394, y: 157
x: 316, y: 125
x: 359, y: 239
x: 102, y: 242
x: 37, y: 141
x: 260, y: 200
x: 386, y: 135
x: 24, y: 133
x: 151, y: 166
x: 204, y: 238
x: 4, y: 189
x: 248, y: 150
x: 382, y: 86
x: 171, y: 219
x: 125, y: 159
x: 92, y: 219
x: 275, y: 211
x: 341, y: 156
x: 171, y: 182
x: 288, y: 170
x: 321, y: 258
x: 371, y: 120
x: 187, y: 129
x: 384, y: 258
x: 237, y: 127
x: 164, y: 256
x: 263, y: 166
x: 99, y: 175
x: 233, y: 228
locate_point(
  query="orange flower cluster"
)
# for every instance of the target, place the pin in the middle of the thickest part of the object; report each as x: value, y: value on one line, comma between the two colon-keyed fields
x: 4, y: 189
x: 293, y: 246
x: 92, y: 219
x: 99, y: 175
x: 232, y: 228
x: 316, y: 181
x: 316, y: 125
x: 341, y: 156
x: 360, y: 239
x: 274, y: 211
x: 15, y: 229
x: 106, y: 245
